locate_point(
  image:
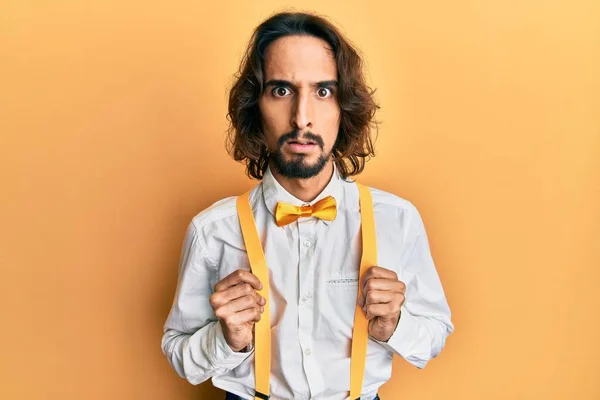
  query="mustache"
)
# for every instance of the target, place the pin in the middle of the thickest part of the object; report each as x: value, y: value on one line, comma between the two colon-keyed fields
x: 293, y: 135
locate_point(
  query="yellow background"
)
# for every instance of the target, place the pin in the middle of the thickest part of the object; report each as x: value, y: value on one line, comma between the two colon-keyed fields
x: 112, y: 121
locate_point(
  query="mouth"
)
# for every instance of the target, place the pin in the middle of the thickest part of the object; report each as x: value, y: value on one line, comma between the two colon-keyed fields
x: 302, y: 142
x: 301, y: 146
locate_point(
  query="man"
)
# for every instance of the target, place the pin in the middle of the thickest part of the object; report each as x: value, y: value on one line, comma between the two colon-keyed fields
x: 301, y: 119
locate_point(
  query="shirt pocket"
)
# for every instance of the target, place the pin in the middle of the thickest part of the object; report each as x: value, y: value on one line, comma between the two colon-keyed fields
x: 342, y: 294
x: 343, y: 283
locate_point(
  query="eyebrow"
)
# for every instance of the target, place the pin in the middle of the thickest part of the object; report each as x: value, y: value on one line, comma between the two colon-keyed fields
x: 281, y: 82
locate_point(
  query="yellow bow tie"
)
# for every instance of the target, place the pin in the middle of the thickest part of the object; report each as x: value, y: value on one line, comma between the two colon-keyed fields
x: 322, y: 209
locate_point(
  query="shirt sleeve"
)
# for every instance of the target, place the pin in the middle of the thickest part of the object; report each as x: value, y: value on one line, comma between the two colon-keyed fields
x: 424, y: 321
x: 193, y: 339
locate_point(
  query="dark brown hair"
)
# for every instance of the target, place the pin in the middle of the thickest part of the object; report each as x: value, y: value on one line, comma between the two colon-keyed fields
x: 245, y: 140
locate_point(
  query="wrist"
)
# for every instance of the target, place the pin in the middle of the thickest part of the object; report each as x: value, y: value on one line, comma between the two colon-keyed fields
x: 383, y: 331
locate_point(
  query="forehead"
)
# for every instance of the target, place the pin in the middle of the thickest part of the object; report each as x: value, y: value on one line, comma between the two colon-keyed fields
x: 299, y: 59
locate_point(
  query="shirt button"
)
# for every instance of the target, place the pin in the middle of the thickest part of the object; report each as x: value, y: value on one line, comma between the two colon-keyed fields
x: 307, y: 243
x: 307, y: 352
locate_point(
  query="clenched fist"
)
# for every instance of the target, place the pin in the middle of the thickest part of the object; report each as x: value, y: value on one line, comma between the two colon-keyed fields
x: 238, y: 306
x: 383, y: 295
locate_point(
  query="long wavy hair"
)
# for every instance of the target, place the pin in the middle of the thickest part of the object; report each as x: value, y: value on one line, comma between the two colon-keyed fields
x: 245, y: 140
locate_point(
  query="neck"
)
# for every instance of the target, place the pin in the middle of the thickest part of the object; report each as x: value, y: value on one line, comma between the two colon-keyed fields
x: 305, y: 189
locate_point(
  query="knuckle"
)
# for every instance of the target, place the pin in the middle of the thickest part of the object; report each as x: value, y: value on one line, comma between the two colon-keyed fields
x: 215, y: 300
x: 371, y: 296
x: 401, y: 300
x: 247, y: 288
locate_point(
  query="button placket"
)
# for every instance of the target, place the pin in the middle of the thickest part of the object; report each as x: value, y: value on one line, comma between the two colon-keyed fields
x: 306, y: 307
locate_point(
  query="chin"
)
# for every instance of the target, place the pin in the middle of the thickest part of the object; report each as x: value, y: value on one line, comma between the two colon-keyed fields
x: 299, y: 166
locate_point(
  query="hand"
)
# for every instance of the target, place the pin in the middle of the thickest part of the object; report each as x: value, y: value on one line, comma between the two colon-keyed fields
x: 238, y: 306
x: 383, y: 295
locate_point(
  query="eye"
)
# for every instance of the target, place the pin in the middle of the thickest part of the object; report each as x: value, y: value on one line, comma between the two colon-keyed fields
x: 280, y: 91
x: 324, y: 92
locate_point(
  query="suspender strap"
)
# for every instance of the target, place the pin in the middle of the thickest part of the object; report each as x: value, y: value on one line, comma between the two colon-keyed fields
x: 262, y: 329
x: 360, y: 332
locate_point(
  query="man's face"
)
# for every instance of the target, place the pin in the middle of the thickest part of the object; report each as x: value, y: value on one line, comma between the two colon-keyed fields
x: 300, y: 114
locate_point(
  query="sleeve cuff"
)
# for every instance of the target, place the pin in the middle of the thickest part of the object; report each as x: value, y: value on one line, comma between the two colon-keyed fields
x: 224, y: 356
x: 214, y: 348
x: 404, y: 339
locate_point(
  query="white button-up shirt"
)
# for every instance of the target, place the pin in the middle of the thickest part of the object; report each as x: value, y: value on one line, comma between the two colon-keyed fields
x: 313, y: 276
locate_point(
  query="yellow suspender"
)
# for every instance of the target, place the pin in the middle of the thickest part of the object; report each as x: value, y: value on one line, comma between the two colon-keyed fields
x: 262, y: 330
x: 360, y: 332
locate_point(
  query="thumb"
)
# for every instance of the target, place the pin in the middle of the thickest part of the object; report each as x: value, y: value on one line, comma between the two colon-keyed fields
x: 378, y: 323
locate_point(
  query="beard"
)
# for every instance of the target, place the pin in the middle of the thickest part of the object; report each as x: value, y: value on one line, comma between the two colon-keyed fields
x: 298, y: 167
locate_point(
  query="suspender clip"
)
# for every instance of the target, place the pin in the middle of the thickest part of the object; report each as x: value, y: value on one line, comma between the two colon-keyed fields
x: 260, y: 395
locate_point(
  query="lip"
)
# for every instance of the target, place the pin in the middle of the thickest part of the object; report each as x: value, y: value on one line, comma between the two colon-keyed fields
x: 298, y: 147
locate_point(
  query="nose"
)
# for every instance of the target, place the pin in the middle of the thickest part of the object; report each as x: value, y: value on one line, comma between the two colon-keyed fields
x: 302, y: 112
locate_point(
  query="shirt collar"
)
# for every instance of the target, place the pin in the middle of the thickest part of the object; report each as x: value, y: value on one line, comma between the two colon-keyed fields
x: 273, y: 192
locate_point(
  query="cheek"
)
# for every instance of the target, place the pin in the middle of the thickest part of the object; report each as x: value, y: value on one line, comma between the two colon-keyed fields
x: 273, y: 121
x: 330, y: 124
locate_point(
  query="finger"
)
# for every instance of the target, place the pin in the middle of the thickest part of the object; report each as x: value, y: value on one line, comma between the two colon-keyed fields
x: 259, y: 314
x: 245, y: 316
x: 379, y: 297
x: 374, y: 296
x: 235, y: 306
x: 392, y: 301
x: 384, y: 284
x: 219, y: 299
x: 237, y: 277
x: 378, y: 272
x: 381, y: 291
